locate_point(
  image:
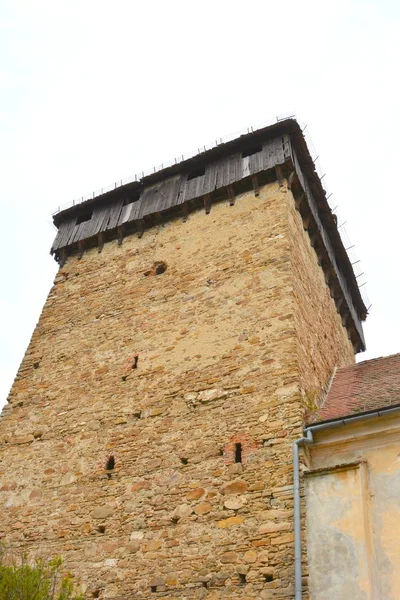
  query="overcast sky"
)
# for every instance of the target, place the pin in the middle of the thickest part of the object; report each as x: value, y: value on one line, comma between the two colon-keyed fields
x: 94, y: 91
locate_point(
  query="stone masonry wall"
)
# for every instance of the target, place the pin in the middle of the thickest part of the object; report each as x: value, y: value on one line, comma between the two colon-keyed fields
x: 175, y: 354
x: 322, y: 341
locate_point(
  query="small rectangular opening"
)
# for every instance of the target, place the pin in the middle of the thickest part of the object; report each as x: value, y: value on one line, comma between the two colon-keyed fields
x: 134, y: 197
x: 196, y: 173
x: 84, y: 217
x: 252, y: 150
x: 238, y: 452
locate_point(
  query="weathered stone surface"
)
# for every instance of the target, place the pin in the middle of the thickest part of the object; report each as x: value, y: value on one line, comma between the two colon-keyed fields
x: 182, y: 511
x: 229, y: 557
x: 234, y: 503
x: 230, y: 522
x: 236, y: 487
x: 102, y: 512
x: 195, y: 494
x: 203, y: 508
x: 214, y: 394
x: 234, y: 341
x: 141, y: 485
x: 250, y: 556
x: 272, y: 527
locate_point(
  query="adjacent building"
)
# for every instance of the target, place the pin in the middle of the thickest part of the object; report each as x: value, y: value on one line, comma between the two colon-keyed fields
x: 353, y: 485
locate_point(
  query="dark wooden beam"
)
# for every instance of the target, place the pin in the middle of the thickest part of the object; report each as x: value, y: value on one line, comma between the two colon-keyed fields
x: 307, y: 220
x: 100, y: 241
x: 256, y: 186
x: 314, y: 238
x: 231, y: 195
x: 299, y: 200
x: 345, y: 318
x: 207, y: 203
x: 62, y: 257
x: 290, y: 179
x: 339, y: 303
x: 279, y: 175
x: 120, y: 234
x: 140, y: 228
x: 185, y: 211
x: 81, y: 248
x: 330, y: 274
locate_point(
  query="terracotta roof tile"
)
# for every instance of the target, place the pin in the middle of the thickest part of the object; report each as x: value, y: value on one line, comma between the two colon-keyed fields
x: 367, y: 386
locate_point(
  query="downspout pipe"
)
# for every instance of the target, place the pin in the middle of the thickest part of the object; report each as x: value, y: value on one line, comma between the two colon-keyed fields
x: 296, y: 506
x: 306, y: 441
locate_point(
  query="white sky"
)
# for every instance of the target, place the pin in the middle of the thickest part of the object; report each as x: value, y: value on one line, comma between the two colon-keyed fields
x: 94, y: 91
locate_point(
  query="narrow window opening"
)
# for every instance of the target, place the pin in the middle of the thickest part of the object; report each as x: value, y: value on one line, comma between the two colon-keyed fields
x: 96, y: 594
x: 242, y: 579
x: 85, y: 217
x: 184, y: 460
x: 238, y: 452
x: 124, y: 377
x: 153, y: 588
x: 110, y: 464
x: 205, y: 584
x: 269, y: 578
x: 131, y: 199
x: 137, y: 414
x: 196, y: 173
x: 251, y: 151
x: 135, y: 362
x: 36, y: 365
x: 174, y: 520
x: 221, y: 451
x: 101, y: 529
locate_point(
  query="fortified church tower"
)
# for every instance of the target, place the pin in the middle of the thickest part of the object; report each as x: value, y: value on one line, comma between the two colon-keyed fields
x: 197, y: 314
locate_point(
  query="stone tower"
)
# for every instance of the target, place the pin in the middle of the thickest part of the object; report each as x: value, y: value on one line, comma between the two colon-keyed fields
x: 197, y: 314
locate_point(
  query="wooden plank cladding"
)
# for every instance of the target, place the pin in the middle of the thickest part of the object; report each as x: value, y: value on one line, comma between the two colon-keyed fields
x: 91, y: 218
x: 275, y: 153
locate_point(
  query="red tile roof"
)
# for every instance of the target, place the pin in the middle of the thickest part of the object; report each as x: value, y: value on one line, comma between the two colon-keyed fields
x: 367, y: 386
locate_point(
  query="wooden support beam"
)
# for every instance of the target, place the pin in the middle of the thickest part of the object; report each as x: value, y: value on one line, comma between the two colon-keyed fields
x: 290, y: 179
x: 345, y: 318
x: 231, y: 195
x: 299, y: 200
x: 140, y: 228
x: 330, y: 274
x: 279, y: 175
x: 120, y: 234
x: 185, y: 212
x: 62, y: 256
x: 307, y: 222
x: 314, y: 238
x: 81, y: 248
x: 207, y: 203
x: 336, y: 292
x: 322, y: 257
x: 100, y: 241
x: 339, y: 302
x: 256, y: 186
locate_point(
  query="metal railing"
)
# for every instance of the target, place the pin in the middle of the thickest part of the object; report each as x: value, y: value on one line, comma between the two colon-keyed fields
x: 350, y: 248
